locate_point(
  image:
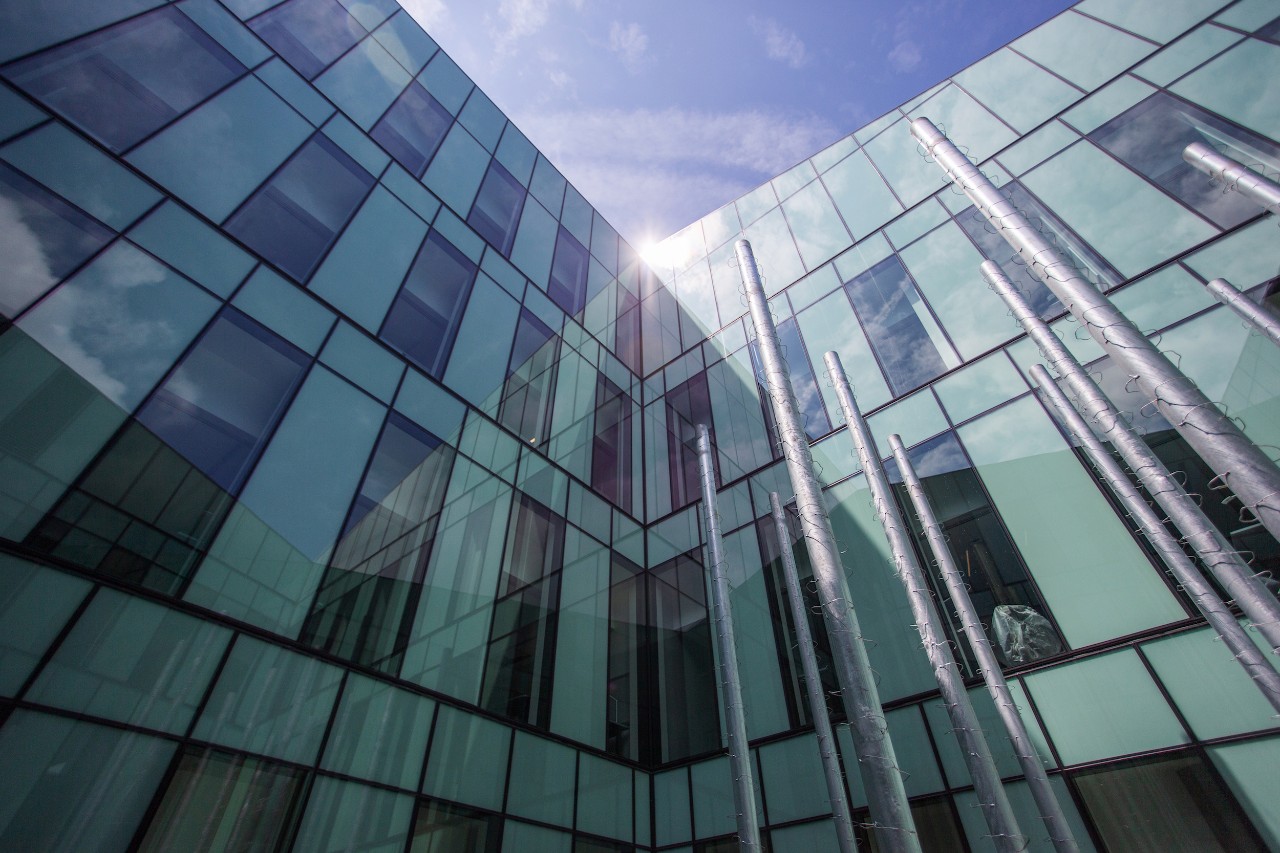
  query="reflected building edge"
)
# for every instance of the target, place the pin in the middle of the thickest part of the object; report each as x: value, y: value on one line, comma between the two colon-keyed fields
x: 348, y: 478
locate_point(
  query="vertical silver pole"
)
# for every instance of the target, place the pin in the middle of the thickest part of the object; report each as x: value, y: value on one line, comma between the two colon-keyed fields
x: 1050, y: 809
x: 993, y: 801
x: 1238, y: 462
x: 887, y: 797
x: 1235, y: 575
x: 1216, y: 613
x: 1239, y: 177
x: 1263, y: 318
x: 813, y: 684
x: 744, y: 797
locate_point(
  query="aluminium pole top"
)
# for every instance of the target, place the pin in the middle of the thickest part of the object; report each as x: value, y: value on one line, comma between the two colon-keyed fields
x: 1237, y: 176
x: 1239, y: 463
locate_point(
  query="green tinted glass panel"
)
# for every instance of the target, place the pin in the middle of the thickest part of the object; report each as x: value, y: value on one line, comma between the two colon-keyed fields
x: 713, y: 809
x: 861, y: 194
x: 979, y: 386
x: 1104, y: 706
x: 1243, y: 258
x: 342, y: 816
x: 1249, y: 769
x: 134, y: 661
x: 894, y: 154
x: 542, y: 780
x: 178, y: 238
x: 967, y: 122
x: 1084, y: 51
x: 775, y: 251
x: 792, y: 776
x: 1177, y: 59
x: 819, y: 232
x: 468, y: 762
x: 1098, y: 586
x: 1028, y: 815
x: 35, y: 603
x: 380, y: 733
x: 364, y: 82
x: 1020, y: 92
x: 1132, y: 224
x: 1156, y: 19
x: 831, y: 325
x: 671, y: 813
x: 605, y: 798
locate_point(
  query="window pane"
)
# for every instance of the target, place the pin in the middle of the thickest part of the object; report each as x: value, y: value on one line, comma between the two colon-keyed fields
x: 35, y: 603
x: 294, y: 218
x: 687, y: 405
x: 531, y: 379
x: 468, y: 759
x: 611, y: 444
x: 412, y: 129
x: 220, y: 403
x: 568, y: 284
x: 309, y: 34
x: 450, y: 829
x: 686, y: 690
x: 131, y: 660
x: 224, y: 802
x: 346, y: 816
x: 365, y: 606
x: 1151, y: 136
x: 425, y: 316
x: 380, y: 733
x: 496, y: 211
x: 1165, y: 804
x: 901, y: 330
x: 45, y: 238
x: 125, y: 82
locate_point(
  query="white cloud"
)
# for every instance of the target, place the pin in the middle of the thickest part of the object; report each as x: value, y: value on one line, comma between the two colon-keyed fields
x: 780, y: 43
x: 520, y: 19
x: 432, y: 15
x: 682, y: 163
x: 905, y: 56
x: 629, y: 42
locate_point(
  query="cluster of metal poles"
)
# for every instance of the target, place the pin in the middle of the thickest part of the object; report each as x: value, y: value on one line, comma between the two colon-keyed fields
x: 1239, y: 465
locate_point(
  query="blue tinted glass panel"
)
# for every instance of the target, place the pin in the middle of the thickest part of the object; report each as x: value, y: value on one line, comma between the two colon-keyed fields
x: 424, y: 318
x: 803, y: 380
x: 894, y: 317
x: 45, y: 239
x: 123, y: 83
x: 568, y: 285
x: 219, y: 404
x: 297, y: 215
x: 309, y: 34
x: 411, y: 130
x: 496, y: 211
x: 1151, y: 136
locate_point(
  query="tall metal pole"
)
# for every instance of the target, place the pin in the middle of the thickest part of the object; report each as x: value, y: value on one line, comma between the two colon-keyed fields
x: 1219, y: 617
x: 1262, y: 318
x: 1240, y: 464
x: 1262, y: 191
x: 813, y: 684
x: 878, y: 766
x: 1230, y: 569
x: 744, y: 797
x: 1047, y: 804
x: 992, y: 799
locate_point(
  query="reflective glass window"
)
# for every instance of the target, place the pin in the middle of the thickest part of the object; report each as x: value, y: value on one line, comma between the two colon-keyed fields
x: 218, y: 406
x: 998, y: 582
x: 424, y: 318
x: 220, y: 801
x: 687, y: 405
x: 611, y: 445
x: 35, y: 604
x: 443, y: 828
x: 1167, y: 803
x: 531, y: 379
x: 346, y: 816
x: 365, y: 605
x: 45, y: 238
x: 523, y: 633
x: 1150, y: 137
x: 413, y: 128
x: 309, y: 34
x: 125, y: 82
x: 936, y: 826
x: 686, y: 689
x: 898, y: 324
x: 294, y: 218
x: 568, y: 284
x: 496, y: 210
x: 628, y: 720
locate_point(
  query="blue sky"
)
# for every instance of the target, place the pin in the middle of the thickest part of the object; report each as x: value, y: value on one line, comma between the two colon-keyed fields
x: 661, y: 112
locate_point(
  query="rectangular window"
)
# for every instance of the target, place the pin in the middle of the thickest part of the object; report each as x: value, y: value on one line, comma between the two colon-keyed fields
x: 218, y: 406
x: 496, y: 211
x: 424, y: 319
x: 45, y: 239
x: 412, y: 128
x: 451, y: 829
x: 522, y: 640
x: 365, y: 605
x: 531, y: 380
x: 1150, y: 138
x: 125, y: 82
x: 295, y: 217
x: 628, y: 715
x: 897, y: 323
x: 1008, y: 604
x: 611, y: 444
x: 688, y: 405
x: 803, y: 382
x: 309, y: 34
x: 686, y: 694
x: 627, y: 335
x: 568, y: 285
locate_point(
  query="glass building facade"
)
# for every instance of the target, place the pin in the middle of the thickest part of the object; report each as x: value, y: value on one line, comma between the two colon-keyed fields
x: 347, y: 484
